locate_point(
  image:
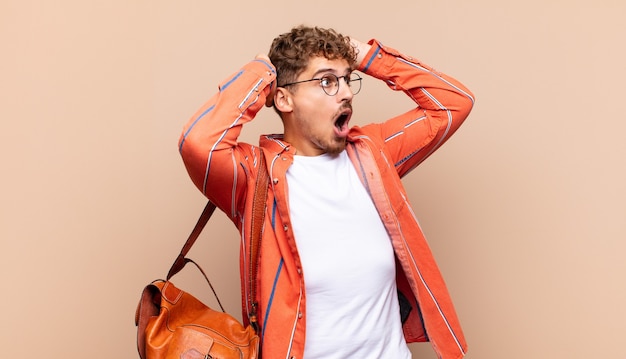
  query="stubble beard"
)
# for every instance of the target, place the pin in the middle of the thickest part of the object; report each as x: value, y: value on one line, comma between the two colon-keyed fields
x: 337, y: 146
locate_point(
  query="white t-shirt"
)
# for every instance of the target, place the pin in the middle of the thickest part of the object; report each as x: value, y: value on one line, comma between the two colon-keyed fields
x: 348, y: 263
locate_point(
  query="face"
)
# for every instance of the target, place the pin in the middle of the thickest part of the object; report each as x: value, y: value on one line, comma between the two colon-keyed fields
x: 318, y: 123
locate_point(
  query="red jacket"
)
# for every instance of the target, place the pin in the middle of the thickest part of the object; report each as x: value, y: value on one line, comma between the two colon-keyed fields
x: 225, y: 171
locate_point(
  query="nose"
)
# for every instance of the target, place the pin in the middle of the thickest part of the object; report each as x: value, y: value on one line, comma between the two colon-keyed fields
x: 345, y: 92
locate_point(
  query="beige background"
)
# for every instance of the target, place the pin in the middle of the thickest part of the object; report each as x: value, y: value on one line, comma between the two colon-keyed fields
x: 524, y: 207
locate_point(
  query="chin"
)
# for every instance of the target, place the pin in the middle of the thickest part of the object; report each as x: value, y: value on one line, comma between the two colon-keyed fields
x: 337, y: 147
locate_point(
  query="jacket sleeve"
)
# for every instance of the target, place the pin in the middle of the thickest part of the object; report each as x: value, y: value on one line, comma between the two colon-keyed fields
x: 442, y: 102
x: 214, y: 159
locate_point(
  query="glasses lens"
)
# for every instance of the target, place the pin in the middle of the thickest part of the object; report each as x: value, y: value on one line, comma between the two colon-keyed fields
x: 355, y: 83
x: 330, y: 84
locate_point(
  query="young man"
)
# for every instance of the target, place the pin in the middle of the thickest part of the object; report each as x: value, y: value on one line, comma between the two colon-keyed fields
x: 345, y: 271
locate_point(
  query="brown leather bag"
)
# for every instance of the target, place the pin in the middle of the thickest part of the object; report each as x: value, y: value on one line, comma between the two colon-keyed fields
x: 172, y: 324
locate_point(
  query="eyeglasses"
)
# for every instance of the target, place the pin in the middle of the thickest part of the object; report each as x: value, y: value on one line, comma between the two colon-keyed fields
x: 330, y: 83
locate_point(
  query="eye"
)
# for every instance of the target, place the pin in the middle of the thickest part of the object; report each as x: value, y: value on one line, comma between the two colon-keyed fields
x: 328, y: 81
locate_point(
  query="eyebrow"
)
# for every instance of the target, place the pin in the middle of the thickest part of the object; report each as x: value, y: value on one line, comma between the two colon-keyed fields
x: 331, y: 70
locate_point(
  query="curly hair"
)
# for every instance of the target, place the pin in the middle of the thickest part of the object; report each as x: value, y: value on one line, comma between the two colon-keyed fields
x: 291, y: 51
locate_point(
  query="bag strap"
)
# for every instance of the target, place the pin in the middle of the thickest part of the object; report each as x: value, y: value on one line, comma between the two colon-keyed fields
x: 180, y: 261
x: 258, y: 218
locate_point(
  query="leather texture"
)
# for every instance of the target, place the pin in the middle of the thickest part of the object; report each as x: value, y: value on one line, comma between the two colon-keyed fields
x: 177, y: 325
x: 173, y: 324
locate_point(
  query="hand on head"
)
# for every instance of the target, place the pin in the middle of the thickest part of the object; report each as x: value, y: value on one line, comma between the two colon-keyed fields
x: 361, y: 49
x: 269, y: 101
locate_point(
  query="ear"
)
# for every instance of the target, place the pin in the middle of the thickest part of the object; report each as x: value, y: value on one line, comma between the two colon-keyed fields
x: 283, y: 100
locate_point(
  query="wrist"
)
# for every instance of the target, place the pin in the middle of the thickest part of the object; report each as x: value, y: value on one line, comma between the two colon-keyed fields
x: 361, y: 50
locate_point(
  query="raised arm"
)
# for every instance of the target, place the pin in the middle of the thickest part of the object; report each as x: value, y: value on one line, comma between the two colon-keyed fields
x: 215, y: 160
x: 443, y: 103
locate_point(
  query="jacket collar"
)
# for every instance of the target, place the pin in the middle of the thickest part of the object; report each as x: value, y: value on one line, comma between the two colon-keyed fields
x: 275, y: 144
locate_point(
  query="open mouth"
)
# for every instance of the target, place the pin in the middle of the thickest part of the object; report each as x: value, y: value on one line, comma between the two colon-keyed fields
x: 341, y: 123
x: 343, y: 118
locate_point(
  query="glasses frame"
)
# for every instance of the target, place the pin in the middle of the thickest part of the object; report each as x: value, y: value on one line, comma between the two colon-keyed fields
x: 346, y: 78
